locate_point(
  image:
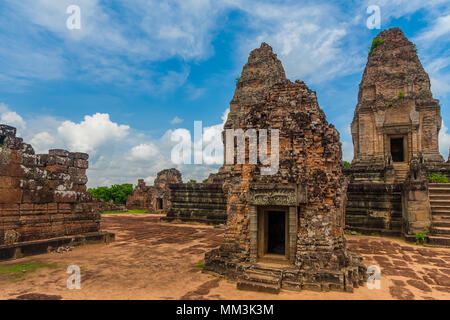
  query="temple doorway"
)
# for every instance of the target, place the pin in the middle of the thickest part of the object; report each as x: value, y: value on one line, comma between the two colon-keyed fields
x: 397, y: 149
x: 272, y: 233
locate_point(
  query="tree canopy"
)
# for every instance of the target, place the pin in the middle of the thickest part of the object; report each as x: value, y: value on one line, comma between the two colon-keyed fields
x: 117, y: 193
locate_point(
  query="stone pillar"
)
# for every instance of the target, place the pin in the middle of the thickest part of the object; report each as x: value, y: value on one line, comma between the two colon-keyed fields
x: 253, y: 234
x: 293, y: 226
x: 416, y: 205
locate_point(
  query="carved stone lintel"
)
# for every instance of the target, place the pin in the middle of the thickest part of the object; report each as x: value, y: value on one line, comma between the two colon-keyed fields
x: 273, y: 195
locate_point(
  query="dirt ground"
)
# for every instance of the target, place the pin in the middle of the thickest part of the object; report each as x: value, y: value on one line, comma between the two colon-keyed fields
x: 154, y: 260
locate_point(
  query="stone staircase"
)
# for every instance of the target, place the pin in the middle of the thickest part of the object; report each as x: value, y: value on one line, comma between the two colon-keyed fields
x: 401, y: 171
x: 439, y: 194
x: 261, y: 279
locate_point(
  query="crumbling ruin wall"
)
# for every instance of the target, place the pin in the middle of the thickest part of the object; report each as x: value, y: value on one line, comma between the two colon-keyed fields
x: 154, y: 198
x: 42, y: 196
x: 140, y: 198
x: 197, y: 202
x: 309, y: 159
x: 161, y: 195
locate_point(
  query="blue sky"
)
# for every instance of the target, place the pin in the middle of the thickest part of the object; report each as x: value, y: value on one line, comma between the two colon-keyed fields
x: 138, y: 70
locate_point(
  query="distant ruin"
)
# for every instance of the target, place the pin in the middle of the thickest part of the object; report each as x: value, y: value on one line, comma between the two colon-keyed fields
x: 156, y: 198
x: 285, y: 230
x: 43, y: 199
x: 395, y: 133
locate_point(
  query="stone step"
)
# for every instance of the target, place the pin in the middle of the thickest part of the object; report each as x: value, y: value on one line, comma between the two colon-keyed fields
x: 440, y: 231
x: 440, y: 203
x: 439, y: 186
x: 439, y: 196
x: 261, y: 278
x: 257, y: 286
x: 439, y: 208
x: 440, y: 223
x: 439, y: 240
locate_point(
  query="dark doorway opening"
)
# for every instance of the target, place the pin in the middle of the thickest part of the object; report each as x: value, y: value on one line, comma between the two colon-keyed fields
x: 159, y: 204
x: 2, y: 140
x: 276, y: 233
x: 397, y: 150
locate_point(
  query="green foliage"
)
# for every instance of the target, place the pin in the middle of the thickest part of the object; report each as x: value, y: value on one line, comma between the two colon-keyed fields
x: 375, y: 43
x: 438, y: 178
x: 200, y: 265
x: 117, y: 193
x: 420, y: 238
x: 192, y: 181
x: 380, y: 179
x: 205, y: 180
x: 141, y: 211
x: 17, y: 272
x: 347, y: 164
x: 390, y: 104
x: 401, y: 95
x: 415, y: 48
x: 375, y: 234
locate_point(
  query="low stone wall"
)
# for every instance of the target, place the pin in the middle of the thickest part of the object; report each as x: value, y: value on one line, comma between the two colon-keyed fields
x: 197, y: 202
x: 374, y: 207
x: 42, y: 196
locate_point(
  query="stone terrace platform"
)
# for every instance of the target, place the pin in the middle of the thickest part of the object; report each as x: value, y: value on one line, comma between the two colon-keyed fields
x: 159, y: 260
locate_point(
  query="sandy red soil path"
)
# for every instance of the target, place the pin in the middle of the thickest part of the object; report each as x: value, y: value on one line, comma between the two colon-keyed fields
x: 154, y: 260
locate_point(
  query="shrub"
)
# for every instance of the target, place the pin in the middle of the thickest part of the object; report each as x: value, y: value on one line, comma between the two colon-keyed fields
x: 205, y: 180
x: 347, y: 164
x: 390, y: 104
x: 438, y: 178
x: 420, y: 238
x: 415, y: 48
x: 192, y: 181
x: 375, y: 43
x: 401, y: 95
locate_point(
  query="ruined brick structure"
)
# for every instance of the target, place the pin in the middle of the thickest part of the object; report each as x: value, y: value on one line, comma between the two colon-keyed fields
x: 197, y: 202
x: 154, y: 198
x: 285, y: 230
x: 140, y: 198
x: 395, y: 133
x: 43, y: 199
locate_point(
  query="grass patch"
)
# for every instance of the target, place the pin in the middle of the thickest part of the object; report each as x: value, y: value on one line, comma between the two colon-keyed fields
x: 200, y: 265
x: 18, y: 271
x: 401, y: 95
x: 129, y: 211
x: 375, y: 43
x: 438, y: 178
x: 375, y: 234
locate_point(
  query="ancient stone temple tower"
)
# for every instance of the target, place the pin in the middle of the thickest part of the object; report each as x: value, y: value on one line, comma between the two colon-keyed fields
x: 284, y: 229
x: 395, y: 133
x: 396, y: 118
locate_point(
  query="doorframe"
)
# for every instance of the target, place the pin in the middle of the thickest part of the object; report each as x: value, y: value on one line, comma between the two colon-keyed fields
x: 405, y: 146
x: 257, y: 226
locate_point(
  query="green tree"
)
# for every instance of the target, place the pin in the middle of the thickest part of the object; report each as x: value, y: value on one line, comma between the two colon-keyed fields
x: 117, y: 193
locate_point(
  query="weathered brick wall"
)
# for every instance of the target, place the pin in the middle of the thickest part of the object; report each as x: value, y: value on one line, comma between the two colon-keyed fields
x: 42, y: 195
x: 374, y: 207
x: 197, y: 202
x: 140, y: 198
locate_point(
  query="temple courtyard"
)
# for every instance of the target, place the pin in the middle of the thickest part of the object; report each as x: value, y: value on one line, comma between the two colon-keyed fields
x: 159, y: 260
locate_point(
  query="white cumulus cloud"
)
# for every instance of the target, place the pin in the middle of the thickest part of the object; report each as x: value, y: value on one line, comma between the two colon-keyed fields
x: 92, y: 132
